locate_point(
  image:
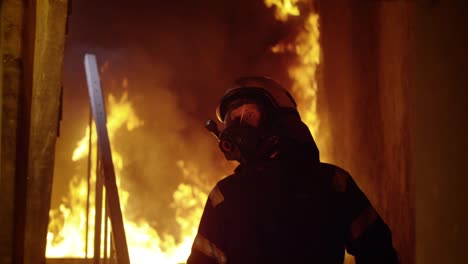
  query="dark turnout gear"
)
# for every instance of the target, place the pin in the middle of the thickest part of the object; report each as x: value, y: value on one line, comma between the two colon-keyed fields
x: 290, y: 207
x: 258, y: 216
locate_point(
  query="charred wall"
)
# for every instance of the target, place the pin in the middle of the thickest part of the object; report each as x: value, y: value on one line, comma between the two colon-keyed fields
x: 394, y: 78
x: 440, y: 100
x: 366, y: 92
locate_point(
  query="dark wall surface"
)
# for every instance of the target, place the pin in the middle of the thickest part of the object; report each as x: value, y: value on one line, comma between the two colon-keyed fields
x: 440, y: 101
x: 394, y: 78
x: 366, y: 98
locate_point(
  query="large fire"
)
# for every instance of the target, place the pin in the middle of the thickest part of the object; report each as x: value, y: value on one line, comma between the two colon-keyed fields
x: 67, y: 235
x: 306, y: 48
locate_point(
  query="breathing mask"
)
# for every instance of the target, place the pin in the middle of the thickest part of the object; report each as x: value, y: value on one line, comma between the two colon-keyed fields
x: 243, y: 142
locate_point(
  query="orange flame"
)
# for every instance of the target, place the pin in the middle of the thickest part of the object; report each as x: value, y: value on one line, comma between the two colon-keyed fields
x: 66, y: 235
x: 285, y: 8
x: 306, y: 48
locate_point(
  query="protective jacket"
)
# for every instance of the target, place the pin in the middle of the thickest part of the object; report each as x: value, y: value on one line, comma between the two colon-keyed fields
x: 286, y: 207
x: 290, y: 210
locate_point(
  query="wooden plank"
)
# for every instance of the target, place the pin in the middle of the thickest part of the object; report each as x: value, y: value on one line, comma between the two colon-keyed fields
x: 97, y: 103
x: 98, y: 215
x: 11, y: 28
x: 106, y: 231
x: 47, y: 39
x: 88, y: 182
x: 23, y: 131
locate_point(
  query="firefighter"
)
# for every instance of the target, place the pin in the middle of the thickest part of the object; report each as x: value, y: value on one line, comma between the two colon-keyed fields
x: 281, y: 204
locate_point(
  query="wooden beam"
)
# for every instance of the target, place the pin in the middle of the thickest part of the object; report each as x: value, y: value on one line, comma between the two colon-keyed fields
x: 23, y: 131
x: 49, y: 37
x: 32, y: 35
x: 98, y: 210
x: 11, y: 28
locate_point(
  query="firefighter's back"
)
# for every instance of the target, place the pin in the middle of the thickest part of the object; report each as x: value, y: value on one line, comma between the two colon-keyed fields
x: 276, y: 214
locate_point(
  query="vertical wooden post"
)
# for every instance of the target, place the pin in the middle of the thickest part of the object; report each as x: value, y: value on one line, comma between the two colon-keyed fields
x: 88, y: 180
x: 31, y: 50
x: 98, y: 209
x: 106, y: 227
x: 22, y: 179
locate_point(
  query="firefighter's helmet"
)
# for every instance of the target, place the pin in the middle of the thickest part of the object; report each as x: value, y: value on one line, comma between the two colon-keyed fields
x: 260, y: 88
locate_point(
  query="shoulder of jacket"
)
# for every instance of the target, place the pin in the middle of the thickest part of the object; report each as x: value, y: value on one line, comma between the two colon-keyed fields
x: 223, y: 186
x: 339, y: 176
